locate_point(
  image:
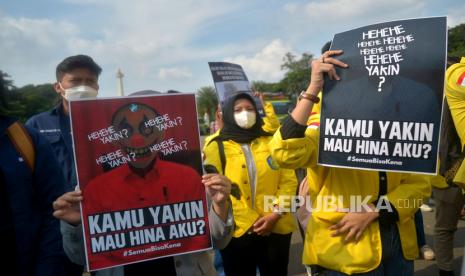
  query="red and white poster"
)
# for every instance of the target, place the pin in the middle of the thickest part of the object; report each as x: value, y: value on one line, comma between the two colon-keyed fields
x: 139, y: 167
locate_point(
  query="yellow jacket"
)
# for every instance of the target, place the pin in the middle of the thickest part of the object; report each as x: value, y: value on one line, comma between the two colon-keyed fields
x: 271, y: 180
x: 405, y: 192
x: 455, y: 93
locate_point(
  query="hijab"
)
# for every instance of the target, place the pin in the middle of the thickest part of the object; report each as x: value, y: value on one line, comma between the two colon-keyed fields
x: 231, y: 131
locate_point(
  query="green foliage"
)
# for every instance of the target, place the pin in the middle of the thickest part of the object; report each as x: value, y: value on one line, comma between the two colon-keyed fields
x: 456, y: 41
x: 4, y: 87
x: 207, y: 101
x: 37, y: 98
x: 262, y: 86
x: 297, y: 76
x: 28, y: 100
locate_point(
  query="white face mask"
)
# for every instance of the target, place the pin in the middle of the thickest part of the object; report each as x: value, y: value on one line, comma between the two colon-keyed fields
x: 245, y: 119
x: 79, y: 92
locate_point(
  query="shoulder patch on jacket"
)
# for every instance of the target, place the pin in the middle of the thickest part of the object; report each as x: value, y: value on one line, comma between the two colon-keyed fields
x: 461, y: 80
x: 313, y: 125
x: 273, y: 165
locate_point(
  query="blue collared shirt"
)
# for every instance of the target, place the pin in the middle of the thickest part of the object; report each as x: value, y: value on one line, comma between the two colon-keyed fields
x: 56, y: 127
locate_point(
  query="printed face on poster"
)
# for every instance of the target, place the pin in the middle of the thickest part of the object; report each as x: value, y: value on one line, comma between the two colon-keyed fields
x: 139, y: 167
x: 230, y: 80
x: 385, y: 112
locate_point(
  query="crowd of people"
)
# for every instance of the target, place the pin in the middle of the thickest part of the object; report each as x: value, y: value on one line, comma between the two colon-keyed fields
x: 247, y: 159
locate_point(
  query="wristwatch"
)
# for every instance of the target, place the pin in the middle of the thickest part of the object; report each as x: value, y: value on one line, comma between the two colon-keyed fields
x: 310, y: 97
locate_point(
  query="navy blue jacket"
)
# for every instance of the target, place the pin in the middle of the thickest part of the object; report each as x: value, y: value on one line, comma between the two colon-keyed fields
x: 55, y: 126
x: 39, y: 249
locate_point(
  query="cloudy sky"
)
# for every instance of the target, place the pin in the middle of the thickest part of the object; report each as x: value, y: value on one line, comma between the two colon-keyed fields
x: 166, y: 44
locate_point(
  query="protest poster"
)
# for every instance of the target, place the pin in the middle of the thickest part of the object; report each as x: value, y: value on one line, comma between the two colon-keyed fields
x: 385, y: 112
x: 230, y: 80
x: 139, y: 167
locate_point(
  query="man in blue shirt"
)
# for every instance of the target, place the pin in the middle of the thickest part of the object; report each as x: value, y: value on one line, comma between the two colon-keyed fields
x: 77, y: 77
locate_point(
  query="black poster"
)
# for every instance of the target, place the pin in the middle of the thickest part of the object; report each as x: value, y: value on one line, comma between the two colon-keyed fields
x: 385, y: 112
x: 230, y: 80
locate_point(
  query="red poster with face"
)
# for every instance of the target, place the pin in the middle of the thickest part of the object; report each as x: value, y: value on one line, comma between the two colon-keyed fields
x: 139, y: 167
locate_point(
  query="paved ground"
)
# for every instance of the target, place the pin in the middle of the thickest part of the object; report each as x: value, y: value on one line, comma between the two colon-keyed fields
x: 422, y: 267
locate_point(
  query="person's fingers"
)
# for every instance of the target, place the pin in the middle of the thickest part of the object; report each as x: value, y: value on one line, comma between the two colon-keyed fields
x: 212, y: 176
x: 218, y: 189
x: 316, y: 63
x: 216, y: 186
x: 337, y: 225
x: 351, y: 235
x: 208, y: 176
x: 214, y: 182
x: 333, y: 75
x: 260, y: 229
x: 73, y: 193
x: 341, y: 230
x: 58, y: 213
x: 218, y: 180
x: 259, y: 222
x: 359, y: 235
x: 72, y: 197
x: 330, y: 70
x: 332, y: 53
x: 334, y: 61
x: 60, y: 204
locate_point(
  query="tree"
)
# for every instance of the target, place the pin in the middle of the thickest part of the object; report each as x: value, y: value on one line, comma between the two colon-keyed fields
x: 297, y: 76
x: 37, y: 98
x: 207, y: 101
x: 5, y: 85
x: 262, y: 86
x: 456, y: 41
x: 28, y: 100
x: 31, y: 99
x: 6, y: 82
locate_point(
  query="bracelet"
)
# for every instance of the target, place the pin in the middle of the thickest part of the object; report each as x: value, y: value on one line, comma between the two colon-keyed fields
x: 310, y: 97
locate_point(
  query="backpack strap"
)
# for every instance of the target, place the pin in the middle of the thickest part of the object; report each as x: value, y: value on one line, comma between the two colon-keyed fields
x: 22, y: 141
x: 222, y: 155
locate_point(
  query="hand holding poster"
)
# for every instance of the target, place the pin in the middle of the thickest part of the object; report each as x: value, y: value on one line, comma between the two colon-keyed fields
x: 139, y: 165
x: 385, y: 112
x: 230, y: 80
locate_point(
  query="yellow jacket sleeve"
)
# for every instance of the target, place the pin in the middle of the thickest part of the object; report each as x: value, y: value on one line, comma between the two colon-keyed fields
x: 295, y: 152
x: 409, y: 195
x: 270, y: 121
x: 455, y: 93
x: 212, y: 155
x: 287, y: 183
